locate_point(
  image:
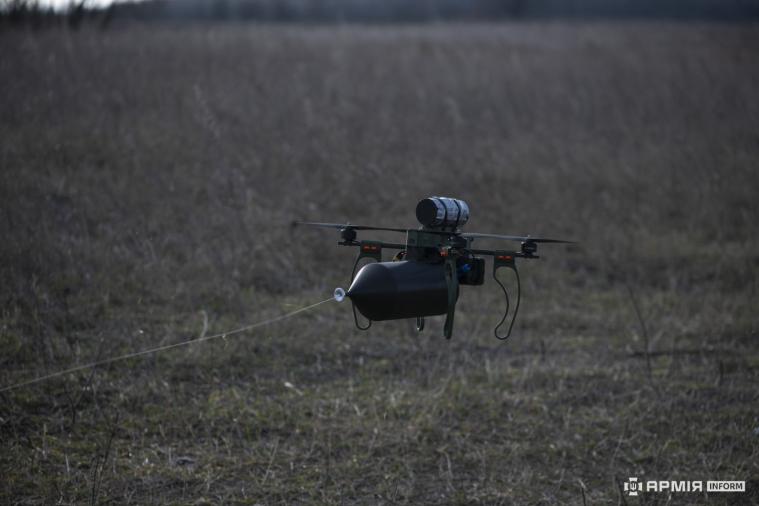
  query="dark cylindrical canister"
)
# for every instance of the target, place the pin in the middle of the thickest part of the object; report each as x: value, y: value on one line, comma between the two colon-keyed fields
x: 395, y: 290
x: 442, y: 212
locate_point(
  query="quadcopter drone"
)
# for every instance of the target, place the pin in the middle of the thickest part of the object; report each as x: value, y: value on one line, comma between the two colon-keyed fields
x: 424, y: 277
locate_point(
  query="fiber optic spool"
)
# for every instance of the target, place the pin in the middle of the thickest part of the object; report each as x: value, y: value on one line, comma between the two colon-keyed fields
x: 339, y: 294
x: 442, y: 212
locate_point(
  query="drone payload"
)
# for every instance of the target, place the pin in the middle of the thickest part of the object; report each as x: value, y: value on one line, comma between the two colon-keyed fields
x: 424, y: 277
x: 415, y: 285
x: 397, y: 290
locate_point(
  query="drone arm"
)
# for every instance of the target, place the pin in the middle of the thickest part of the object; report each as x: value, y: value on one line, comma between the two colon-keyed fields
x: 496, y: 253
x: 366, y: 245
x: 367, y: 248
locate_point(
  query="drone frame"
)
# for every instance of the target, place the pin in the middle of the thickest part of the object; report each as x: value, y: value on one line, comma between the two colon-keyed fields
x: 418, y: 245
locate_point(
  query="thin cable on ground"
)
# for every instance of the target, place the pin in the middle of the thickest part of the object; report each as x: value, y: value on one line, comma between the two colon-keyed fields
x: 161, y: 348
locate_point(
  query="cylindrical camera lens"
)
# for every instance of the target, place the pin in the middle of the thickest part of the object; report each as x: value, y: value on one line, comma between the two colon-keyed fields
x: 442, y: 212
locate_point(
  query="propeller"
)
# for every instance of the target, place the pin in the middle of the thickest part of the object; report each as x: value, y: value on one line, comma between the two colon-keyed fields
x: 340, y: 226
x: 475, y: 235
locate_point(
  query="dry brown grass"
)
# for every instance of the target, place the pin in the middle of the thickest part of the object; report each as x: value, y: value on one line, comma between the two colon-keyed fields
x: 146, y: 178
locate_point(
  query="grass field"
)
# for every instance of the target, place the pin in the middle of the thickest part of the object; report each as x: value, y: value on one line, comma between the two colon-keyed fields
x: 149, y: 176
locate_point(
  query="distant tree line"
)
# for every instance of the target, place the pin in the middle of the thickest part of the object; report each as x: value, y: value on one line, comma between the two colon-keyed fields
x: 32, y: 14
x: 29, y: 12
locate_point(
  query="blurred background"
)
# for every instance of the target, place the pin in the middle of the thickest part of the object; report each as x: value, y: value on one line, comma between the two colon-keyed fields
x: 388, y: 11
x: 154, y: 155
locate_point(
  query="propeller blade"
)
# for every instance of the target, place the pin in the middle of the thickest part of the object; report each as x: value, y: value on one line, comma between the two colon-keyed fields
x: 475, y: 235
x: 340, y: 226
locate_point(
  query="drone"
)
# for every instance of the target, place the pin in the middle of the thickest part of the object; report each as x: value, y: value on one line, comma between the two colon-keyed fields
x: 424, y: 277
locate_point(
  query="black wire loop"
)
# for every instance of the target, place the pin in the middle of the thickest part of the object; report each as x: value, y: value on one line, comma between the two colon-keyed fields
x: 355, y: 319
x: 506, y: 313
x: 355, y: 316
